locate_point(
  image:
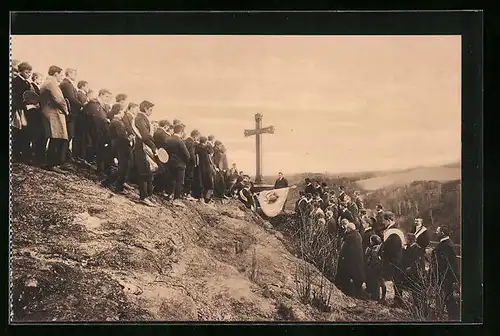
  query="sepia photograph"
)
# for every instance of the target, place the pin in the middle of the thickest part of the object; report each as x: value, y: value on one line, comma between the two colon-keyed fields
x: 178, y: 178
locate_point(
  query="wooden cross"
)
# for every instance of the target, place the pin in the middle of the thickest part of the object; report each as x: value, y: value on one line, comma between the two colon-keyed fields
x: 258, y: 131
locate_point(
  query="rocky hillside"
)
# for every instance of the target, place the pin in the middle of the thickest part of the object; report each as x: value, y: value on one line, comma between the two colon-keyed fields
x: 82, y: 253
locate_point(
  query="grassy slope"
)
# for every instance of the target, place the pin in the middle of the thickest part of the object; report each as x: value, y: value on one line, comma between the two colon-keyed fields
x: 82, y: 253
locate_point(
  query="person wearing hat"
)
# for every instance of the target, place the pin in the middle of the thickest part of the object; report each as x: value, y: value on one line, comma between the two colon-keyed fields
x: 178, y: 159
x: 392, y: 254
x: 342, y: 193
x: 351, y: 267
x: 353, y: 209
x: 379, y: 226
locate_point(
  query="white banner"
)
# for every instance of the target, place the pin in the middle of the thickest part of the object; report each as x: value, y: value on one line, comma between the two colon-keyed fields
x: 272, y: 201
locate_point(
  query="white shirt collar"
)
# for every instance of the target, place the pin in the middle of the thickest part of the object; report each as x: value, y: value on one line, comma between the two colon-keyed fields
x: 443, y: 239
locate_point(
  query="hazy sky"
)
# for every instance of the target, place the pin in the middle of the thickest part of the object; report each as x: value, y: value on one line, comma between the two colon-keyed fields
x: 338, y: 103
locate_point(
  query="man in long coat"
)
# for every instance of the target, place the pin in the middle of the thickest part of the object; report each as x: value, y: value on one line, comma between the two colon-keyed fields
x: 351, y: 267
x: 142, y: 128
x: 203, y: 151
x: 99, y: 124
x: 392, y: 255
x: 445, y: 271
x: 178, y: 158
x: 20, y: 136
x: 81, y: 140
x: 191, y: 143
x: 70, y: 92
x: 35, y: 124
x: 55, y: 110
x: 162, y: 181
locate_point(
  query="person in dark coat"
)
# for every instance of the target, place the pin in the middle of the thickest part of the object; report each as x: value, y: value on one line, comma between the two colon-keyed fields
x: 421, y: 233
x: 55, y: 109
x: 99, y: 123
x: 379, y: 226
x: 342, y: 193
x: 179, y: 157
x: 392, y: 254
x: 119, y: 106
x: 358, y: 200
x: 353, y: 209
x: 70, y: 92
x: 325, y: 196
x: 332, y: 224
x: 35, y: 127
x: 122, y: 150
x: 344, y: 213
x: 374, y: 279
x: 20, y: 136
x: 445, y: 271
x: 142, y: 129
x: 82, y: 124
x: 413, y: 266
x: 318, y: 191
x: 191, y: 143
x: 281, y: 182
x: 351, y: 267
x: 367, y: 232
x: 203, y: 151
x: 309, y: 189
x: 162, y: 181
x: 246, y: 197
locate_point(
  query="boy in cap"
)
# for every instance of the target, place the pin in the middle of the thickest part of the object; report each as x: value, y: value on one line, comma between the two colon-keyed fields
x: 374, y: 279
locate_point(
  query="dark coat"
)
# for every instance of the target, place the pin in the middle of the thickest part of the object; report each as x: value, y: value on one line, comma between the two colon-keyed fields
x: 346, y: 214
x: 392, y: 256
x: 413, y: 265
x: 82, y: 97
x: 423, y: 237
x: 191, y: 147
x: 71, y: 94
x: 220, y: 158
x: 118, y: 135
x: 379, y: 227
x: 353, y: 208
x: 160, y: 138
x: 281, y: 183
x: 177, y: 152
x: 351, y: 259
x: 367, y: 233
x: 359, y: 202
x: 19, y: 87
x: 309, y: 189
x: 144, y: 128
x: 205, y: 166
x: 444, y: 264
x: 318, y: 191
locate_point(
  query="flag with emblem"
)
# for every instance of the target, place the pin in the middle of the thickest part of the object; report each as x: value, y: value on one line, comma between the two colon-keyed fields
x: 272, y: 201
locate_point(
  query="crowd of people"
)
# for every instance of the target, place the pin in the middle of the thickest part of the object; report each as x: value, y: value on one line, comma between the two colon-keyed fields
x: 373, y: 249
x: 58, y: 120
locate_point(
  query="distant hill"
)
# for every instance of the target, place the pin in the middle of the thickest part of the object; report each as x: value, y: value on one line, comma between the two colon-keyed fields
x: 440, y: 174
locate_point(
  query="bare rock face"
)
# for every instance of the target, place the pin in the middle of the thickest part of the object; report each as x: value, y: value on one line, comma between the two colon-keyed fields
x: 178, y: 307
